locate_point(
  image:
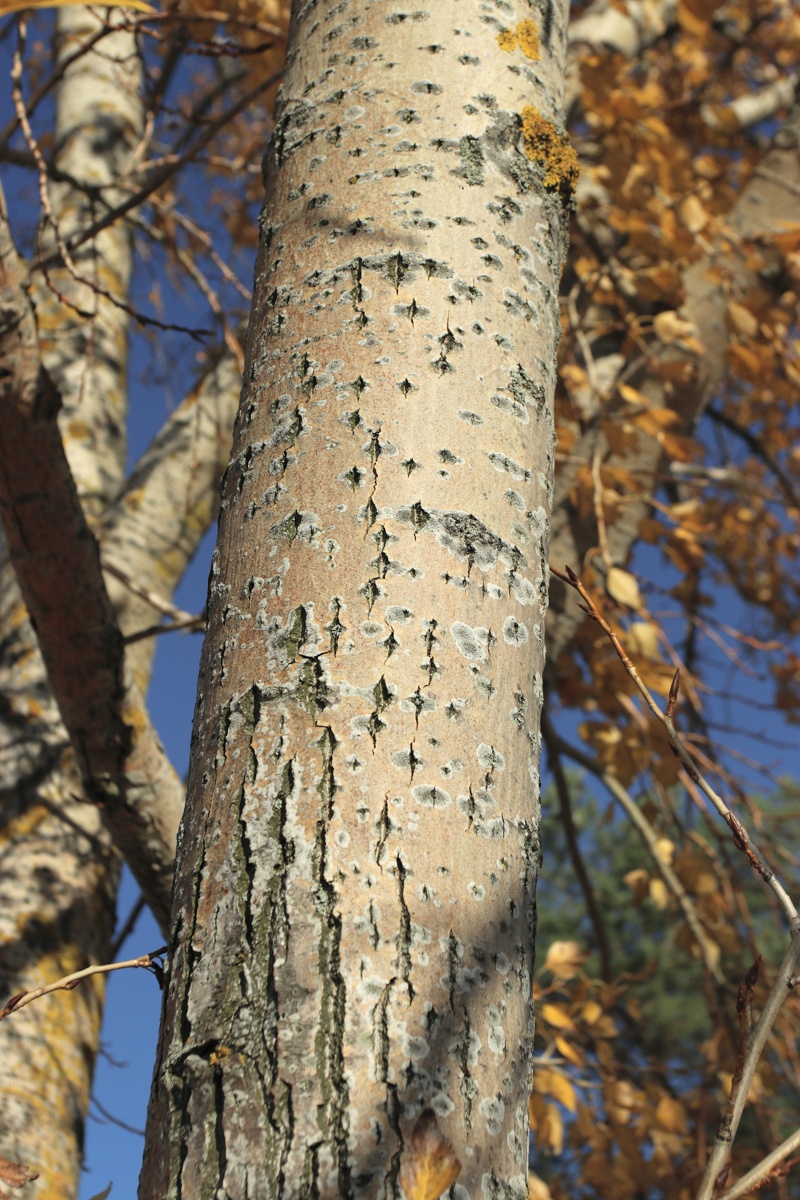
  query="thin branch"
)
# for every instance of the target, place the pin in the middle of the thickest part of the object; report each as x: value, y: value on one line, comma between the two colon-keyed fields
x: 718, y: 1162
x: 129, y: 926
x: 68, y: 982
x: 571, y: 834
x: 708, y: 950
x: 741, y: 838
x: 165, y: 173
x: 196, y: 623
x: 145, y: 593
x: 759, y: 450
x: 762, y: 1172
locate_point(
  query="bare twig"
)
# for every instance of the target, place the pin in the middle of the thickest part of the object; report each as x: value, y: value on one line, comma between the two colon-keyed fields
x: 645, y: 830
x: 129, y: 926
x: 762, y: 1172
x: 172, y: 164
x: 741, y: 838
x: 196, y: 623
x: 152, y: 597
x: 68, y: 982
x: 562, y: 788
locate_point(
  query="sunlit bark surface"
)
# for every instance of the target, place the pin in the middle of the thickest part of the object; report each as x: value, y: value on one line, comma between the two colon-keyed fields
x: 354, y: 915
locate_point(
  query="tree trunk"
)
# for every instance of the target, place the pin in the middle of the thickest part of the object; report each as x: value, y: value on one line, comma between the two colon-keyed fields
x: 354, y: 912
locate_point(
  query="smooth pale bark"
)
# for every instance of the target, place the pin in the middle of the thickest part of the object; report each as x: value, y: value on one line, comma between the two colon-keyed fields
x: 354, y: 913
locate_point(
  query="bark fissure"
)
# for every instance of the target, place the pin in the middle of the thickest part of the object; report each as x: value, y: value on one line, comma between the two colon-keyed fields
x: 390, y: 603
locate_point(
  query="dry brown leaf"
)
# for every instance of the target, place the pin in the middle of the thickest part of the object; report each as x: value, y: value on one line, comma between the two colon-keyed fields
x: 671, y: 1115
x: 16, y: 1175
x: 430, y: 1165
x: 671, y: 327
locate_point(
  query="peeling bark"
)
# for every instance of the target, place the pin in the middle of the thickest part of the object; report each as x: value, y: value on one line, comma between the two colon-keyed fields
x: 354, y: 912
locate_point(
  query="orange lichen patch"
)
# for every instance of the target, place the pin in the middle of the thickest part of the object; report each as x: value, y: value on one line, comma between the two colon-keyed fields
x: 77, y: 429
x: 25, y: 824
x: 546, y: 145
x: 528, y: 39
x: 526, y: 36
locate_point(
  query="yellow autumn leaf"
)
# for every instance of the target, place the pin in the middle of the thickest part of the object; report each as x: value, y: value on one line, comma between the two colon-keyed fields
x: 644, y: 641
x: 553, y: 1083
x: 538, y: 1189
x: 637, y: 880
x: 658, y: 893
x: 622, y: 587
x: 592, y: 1012
x: 12, y: 6
x: 429, y: 1165
x: 693, y: 214
x: 741, y: 319
x: 665, y: 849
x: 556, y: 1016
x: 632, y: 395
x: 569, y: 1052
x: 564, y: 959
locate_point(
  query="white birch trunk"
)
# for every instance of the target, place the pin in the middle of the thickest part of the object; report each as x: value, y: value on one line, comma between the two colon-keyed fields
x: 354, y: 914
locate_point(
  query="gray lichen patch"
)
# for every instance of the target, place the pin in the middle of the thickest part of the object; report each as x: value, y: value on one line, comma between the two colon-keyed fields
x: 472, y: 418
x: 514, y: 632
x: 467, y: 641
x: 526, y: 390
x: 490, y: 758
x: 463, y: 535
x: 472, y: 167
x: 431, y: 796
x: 501, y: 462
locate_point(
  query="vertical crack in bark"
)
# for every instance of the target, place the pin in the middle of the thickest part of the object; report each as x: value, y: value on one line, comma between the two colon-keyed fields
x: 393, y: 1112
x: 403, y: 940
x: 333, y: 1118
x: 335, y: 628
x: 467, y: 1086
x: 382, y: 698
x: 380, y: 1032
x: 384, y: 828
x: 431, y: 640
x: 453, y: 947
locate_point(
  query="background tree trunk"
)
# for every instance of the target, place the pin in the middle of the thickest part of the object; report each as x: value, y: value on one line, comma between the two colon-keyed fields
x: 354, y: 914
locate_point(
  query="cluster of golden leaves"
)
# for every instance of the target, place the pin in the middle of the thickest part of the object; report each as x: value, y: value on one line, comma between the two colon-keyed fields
x: 716, y: 499
x: 607, y: 1121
